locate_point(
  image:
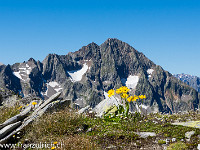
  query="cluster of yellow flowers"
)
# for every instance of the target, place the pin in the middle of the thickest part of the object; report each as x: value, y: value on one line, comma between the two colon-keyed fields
x: 34, y: 103
x: 111, y: 93
x: 142, y: 96
x: 54, y: 144
x: 123, y: 92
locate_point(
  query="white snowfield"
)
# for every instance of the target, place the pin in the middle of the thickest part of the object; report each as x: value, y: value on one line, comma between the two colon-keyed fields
x: 23, y: 73
x: 52, y: 88
x: 150, y: 71
x: 17, y: 74
x: 76, y: 75
x: 131, y: 82
x: 53, y: 84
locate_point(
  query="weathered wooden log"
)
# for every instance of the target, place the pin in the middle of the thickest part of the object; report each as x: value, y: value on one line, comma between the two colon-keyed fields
x: 5, y: 139
x: 9, y: 128
x: 19, y: 117
x: 38, y: 112
x: 27, y: 122
x: 52, y: 98
x: 16, y: 118
x: 60, y: 105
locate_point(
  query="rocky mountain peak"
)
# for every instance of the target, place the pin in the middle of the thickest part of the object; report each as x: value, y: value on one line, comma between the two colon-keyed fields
x: 86, y: 75
x: 113, y: 40
x: 91, y: 51
x: 32, y: 60
x: 116, y: 45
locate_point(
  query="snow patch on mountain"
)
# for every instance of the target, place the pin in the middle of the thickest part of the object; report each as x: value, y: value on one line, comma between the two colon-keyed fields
x: 53, y: 84
x: 76, y: 75
x: 52, y: 88
x: 150, y: 71
x: 17, y: 74
x: 23, y: 73
x: 131, y: 81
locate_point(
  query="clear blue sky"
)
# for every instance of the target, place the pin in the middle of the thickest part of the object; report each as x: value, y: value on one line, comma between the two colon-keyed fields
x: 166, y: 31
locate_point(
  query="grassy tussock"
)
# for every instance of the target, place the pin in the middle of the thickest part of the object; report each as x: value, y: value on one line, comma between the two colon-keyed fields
x: 62, y: 127
x: 8, y: 112
x: 79, y: 142
x: 177, y: 146
x: 55, y: 125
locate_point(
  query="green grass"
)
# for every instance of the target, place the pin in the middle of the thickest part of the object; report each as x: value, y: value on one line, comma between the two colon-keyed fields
x: 68, y: 127
x: 161, y: 142
x: 8, y: 112
x: 177, y: 146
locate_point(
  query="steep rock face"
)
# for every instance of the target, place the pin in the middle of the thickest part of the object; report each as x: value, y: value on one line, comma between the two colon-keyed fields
x: 53, y: 68
x: 87, y: 74
x: 8, y: 80
x: 87, y: 89
x: 115, y: 61
x: 190, y: 80
x: 30, y: 77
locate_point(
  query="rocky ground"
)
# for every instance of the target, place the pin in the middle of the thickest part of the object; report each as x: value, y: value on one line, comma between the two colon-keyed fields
x: 86, y: 131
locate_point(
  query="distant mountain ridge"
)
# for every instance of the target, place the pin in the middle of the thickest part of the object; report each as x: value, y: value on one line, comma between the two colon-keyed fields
x: 86, y: 75
x: 192, y: 81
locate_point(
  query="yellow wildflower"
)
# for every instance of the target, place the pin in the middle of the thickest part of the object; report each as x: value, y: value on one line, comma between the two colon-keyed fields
x: 119, y: 91
x: 125, y: 89
x: 135, y: 98
x: 53, y: 147
x: 124, y: 95
x: 142, y: 96
x: 111, y: 93
x: 129, y: 99
x: 34, y: 103
x: 55, y: 143
x: 19, y: 107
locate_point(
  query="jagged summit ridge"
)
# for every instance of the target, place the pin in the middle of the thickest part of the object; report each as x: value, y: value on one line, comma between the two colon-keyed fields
x: 86, y: 75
